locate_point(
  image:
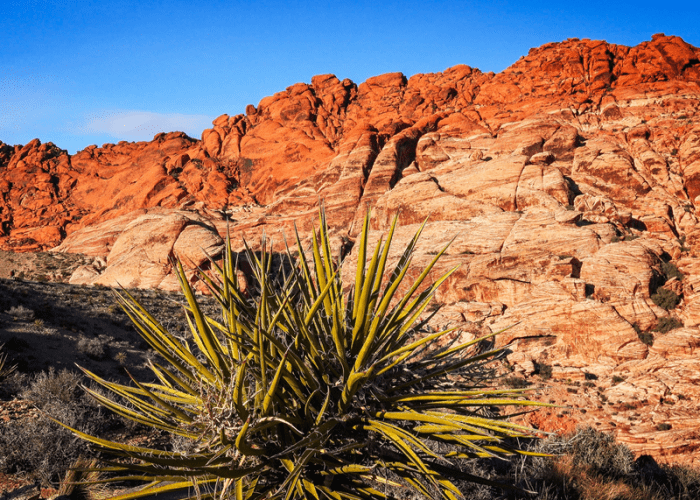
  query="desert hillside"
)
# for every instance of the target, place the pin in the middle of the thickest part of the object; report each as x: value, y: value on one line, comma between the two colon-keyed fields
x: 570, y: 182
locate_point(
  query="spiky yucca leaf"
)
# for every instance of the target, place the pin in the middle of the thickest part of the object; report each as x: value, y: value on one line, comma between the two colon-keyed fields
x: 5, y: 369
x: 299, y: 391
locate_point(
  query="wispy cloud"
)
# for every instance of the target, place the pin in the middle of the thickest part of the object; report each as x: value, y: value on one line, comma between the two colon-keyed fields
x: 135, y: 125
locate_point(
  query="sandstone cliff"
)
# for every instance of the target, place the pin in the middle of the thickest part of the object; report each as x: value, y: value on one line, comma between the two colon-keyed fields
x: 571, y: 181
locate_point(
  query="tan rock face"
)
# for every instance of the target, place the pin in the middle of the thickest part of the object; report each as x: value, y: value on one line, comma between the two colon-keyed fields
x: 569, y: 183
x: 140, y: 254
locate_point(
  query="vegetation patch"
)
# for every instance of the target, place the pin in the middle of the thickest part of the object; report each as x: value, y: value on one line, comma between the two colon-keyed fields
x: 666, y: 324
x: 666, y: 299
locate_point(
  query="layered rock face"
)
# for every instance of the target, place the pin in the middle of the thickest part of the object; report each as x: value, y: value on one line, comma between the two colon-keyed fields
x: 570, y: 182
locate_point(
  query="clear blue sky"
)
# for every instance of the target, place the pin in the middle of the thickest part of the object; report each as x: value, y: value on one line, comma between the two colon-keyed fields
x: 80, y: 73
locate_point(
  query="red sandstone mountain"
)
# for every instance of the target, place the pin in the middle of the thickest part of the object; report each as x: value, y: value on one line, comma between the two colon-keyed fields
x: 571, y: 180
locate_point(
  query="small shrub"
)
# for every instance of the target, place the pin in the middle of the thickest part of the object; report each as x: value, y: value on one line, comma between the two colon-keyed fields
x: 670, y: 270
x: 120, y: 357
x: 599, y: 450
x: 543, y: 370
x: 617, y: 379
x: 92, y: 347
x: 666, y: 324
x: 515, y: 382
x: 663, y: 427
x: 21, y: 312
x: 646, y: 338
x: 666, y: 299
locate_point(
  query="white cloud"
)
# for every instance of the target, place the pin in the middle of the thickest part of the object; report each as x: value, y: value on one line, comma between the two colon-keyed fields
x: 134, y: 125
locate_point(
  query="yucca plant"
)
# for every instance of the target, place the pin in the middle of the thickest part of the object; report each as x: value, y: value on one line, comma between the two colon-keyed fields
x: 301, y: 390
x: 5, y: 369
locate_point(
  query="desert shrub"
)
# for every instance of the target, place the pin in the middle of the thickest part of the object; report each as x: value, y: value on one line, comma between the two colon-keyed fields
x: 543, y: 370
x: 303, y: 390
x: 21, y: 312
x: 120, y: 357
x: 670, y: 270
x: 589, y: 464
x: 92, y: 347
x: 599, y: 450
x: 515, y: 382
x: 667, y: 323
x: 40, y: 447
x: 666, y: 299
x: 646, y: 338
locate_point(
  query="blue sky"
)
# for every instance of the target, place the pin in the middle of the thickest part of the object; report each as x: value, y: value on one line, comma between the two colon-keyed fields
x: 80, y: 73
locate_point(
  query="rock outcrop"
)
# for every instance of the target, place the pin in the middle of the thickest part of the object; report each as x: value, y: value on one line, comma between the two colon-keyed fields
x: 570, y: 182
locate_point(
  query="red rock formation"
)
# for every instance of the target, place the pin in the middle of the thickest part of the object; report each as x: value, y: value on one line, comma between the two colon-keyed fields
x: 571, y: 180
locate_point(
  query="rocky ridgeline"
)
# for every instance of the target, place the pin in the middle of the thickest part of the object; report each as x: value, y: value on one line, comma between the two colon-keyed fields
x: 571, y: 181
